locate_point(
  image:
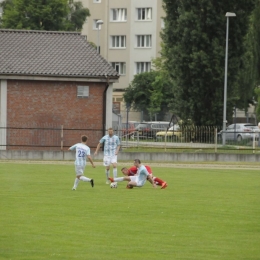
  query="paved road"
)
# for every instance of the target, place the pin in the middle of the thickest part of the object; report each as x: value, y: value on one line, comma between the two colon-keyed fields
x: 213, y: 165
x: 167, y: 144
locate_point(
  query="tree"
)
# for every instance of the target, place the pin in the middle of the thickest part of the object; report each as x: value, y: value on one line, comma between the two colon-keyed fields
x: 49, y: 15
x: 148, y: 93
x: 194, y: 42
x: 249, y: 75
x: 78, y: 15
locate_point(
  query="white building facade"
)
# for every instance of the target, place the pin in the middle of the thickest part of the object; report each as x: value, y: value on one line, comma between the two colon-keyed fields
x: 129, y: 38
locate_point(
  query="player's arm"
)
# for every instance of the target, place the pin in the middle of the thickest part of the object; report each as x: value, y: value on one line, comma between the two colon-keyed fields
x: 117, y: 150
x: 150, y: 179
x: 91, y: 161
x: 72, y: 148
x: 97, y: 149
x: 118, y: 146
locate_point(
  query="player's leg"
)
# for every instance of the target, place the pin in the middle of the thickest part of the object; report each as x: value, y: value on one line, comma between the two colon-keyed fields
x: 106, y: 163
x: 160, y: 182
x: 119, y: 179
x: 86, y: 179
x: 114, y: 164
x: 76, y: 181
x: 131, y: 185
x: 107, y: 174
x: 81, y: 177
x: 132, y: 182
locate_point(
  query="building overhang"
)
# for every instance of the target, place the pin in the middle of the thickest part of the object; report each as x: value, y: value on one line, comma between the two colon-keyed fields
x: 60, y: 78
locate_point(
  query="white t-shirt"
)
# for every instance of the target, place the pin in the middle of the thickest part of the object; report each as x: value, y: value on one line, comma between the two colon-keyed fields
x: 142, y: 174
x: 111, y: 144
x: 82, y: 151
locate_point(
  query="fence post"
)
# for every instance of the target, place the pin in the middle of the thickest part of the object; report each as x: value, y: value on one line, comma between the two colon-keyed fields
x: 254, y: 142
x: 216, y: 139
x: 61, y: 138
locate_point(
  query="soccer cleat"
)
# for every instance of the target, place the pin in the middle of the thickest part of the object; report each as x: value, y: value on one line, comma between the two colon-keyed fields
x: 92, y: 183
x: 73, y: 188
x: 107, y: 182
x: 111, y: 179
x: 164, y: 185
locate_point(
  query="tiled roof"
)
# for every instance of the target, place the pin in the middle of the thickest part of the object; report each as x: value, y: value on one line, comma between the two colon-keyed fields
x: 46, y: 53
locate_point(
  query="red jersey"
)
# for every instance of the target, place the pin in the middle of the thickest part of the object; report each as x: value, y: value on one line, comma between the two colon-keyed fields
x: 133, y: 170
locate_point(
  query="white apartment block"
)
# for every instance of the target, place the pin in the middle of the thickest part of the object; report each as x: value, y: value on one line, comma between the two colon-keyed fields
x: 129, y: 38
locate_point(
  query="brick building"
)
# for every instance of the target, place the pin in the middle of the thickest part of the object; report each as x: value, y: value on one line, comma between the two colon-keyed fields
x: 55, y: 81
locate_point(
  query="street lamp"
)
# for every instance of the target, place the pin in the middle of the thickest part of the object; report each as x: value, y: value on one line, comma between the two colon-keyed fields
x: 225, y: 84
x: 99, y: 22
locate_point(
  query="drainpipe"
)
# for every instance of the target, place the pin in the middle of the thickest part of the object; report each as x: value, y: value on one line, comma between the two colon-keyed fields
x: 105, y: 105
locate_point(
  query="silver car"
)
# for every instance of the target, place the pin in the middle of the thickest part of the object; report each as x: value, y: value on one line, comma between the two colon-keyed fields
x: 239, y: 132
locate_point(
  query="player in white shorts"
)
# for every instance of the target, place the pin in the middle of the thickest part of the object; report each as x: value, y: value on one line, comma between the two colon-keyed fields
x: 82, y: 152
x: 139, y: 179
x: 111, y: 148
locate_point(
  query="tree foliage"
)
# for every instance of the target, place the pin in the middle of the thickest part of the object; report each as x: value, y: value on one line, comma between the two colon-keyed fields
x: 49, y: 15
x: 253, y: 70
x: 249, y: 75
x: 148, y: 93
x: 194, y: 40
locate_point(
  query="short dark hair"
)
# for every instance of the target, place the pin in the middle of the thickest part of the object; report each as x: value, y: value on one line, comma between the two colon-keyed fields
x: 137, y: 161
x: 123, y: 168
x: 84, y: 138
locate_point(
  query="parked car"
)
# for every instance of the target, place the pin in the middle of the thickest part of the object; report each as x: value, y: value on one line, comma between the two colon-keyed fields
x: 130, y: 128
x: 239, y: 132
x: 256, y: 132
x: 173, y: 133
x: 149, y: 129
x: 143, y: 130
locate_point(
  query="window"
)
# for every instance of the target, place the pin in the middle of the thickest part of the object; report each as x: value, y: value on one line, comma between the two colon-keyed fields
x: 143, y: 67
x: 162, y: 23
x: 118, y: 15
x: 144, y: 14
x: 82, y: 91
x: 120, y: 67
x: 96, y: 26
x: 144, y: 41
x: 118, y: 41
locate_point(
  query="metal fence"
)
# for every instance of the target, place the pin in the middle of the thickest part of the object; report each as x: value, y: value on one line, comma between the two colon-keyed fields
x: 193, y: 138
x: 45, y: 138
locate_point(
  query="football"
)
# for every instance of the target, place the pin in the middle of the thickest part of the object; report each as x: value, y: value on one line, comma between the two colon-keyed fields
x: 113, y: 185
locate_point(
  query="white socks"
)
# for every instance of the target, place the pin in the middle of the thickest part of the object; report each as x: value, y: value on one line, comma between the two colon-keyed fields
x: 83, y: 178
x: 107, y: 173
x: 119, y: 179
x: 76, y: 183
x: 114, y: 172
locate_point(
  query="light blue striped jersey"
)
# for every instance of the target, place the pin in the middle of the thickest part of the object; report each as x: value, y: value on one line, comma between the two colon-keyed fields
x: 82, y: 151
x: 142, y: 173
x: 111, y: 143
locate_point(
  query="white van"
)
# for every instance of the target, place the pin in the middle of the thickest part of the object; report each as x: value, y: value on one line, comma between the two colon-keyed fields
x: 160, y: 125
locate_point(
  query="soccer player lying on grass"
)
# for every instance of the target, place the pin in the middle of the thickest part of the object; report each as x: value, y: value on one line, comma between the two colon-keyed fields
x: 137, y: 180
x: 133, y: 170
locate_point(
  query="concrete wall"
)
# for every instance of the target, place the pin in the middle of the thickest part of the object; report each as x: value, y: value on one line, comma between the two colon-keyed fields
x: 123, y: 156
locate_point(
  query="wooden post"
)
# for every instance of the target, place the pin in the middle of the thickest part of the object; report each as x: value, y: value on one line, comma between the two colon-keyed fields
x: 216, y: 139
x: 61, y: 138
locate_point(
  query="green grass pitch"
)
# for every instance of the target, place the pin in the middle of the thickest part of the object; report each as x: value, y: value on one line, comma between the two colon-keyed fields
x: 203, y: 214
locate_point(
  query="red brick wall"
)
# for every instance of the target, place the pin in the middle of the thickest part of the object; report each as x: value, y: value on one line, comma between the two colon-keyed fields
x: 43, y: 104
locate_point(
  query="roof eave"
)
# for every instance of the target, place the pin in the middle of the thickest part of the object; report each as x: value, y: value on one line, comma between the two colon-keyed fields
x: 104, y: 78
